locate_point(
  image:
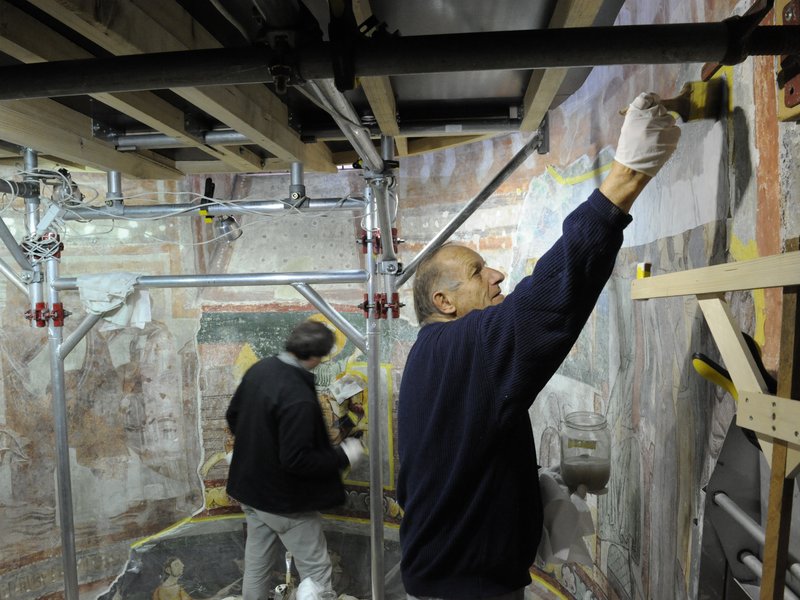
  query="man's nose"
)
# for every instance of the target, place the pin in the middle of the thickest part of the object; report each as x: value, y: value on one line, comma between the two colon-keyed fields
x: 496, y: 276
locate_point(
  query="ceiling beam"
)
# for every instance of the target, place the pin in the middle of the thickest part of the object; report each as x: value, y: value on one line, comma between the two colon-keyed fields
x: 422, y: 145
x: 53, y: 129
x: 145, y: 26
x: 545, y: 83
x: 30, y: 41
x: 379, y: 92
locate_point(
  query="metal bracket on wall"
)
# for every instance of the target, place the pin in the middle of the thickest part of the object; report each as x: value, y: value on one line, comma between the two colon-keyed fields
x: 788, y: 13
x: 740, y: 28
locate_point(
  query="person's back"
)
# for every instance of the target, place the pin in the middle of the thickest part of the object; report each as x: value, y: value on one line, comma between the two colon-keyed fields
x: 283, y: 461
x: 472, y: 471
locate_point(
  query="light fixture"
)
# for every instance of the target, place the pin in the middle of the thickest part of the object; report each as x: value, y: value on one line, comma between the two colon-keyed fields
x: 226, y: 228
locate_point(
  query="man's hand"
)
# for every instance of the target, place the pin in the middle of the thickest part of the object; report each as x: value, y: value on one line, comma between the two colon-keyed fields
x: 649, y: 135
x: 354, y: 451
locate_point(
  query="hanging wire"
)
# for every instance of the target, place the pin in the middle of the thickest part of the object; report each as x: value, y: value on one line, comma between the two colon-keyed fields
x: 71, y: 196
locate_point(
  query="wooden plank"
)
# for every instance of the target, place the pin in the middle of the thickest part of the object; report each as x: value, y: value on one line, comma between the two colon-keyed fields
x: 545, y: 83
x: 32, y: 124
x: 769, y: 271
x: 422, y: 145
x: 781, y: 488
x: 735, y: 353
x: 379, y: 92
x: 772, y: 415
x: 202, y: 167
x: 145, y: 26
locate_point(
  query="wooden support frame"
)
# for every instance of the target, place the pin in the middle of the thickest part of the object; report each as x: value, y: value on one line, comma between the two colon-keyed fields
x: 774, y: 418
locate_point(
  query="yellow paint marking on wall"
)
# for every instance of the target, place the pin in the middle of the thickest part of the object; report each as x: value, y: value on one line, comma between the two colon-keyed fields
x: 541, y: 582
x: 741, y: 251
x: 138, y: 543
x: 576, y: 179
x: 246, y: 359
x: 173, y: 527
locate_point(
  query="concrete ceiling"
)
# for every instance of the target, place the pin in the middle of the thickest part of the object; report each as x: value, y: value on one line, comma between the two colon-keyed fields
x: 148, y: 130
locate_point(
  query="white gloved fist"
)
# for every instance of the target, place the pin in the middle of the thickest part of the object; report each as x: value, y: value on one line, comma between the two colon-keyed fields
x: 649, y: 135
x: 353, y: 449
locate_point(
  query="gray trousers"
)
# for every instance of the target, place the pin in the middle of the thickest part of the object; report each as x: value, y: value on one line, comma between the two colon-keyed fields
x: 302, y: 535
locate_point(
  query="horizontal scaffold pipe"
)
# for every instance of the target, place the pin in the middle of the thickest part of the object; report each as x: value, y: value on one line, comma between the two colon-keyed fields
x: 413, y: 55
x: 86, y: 213
x: 232, y: 279
x: 226, y: 137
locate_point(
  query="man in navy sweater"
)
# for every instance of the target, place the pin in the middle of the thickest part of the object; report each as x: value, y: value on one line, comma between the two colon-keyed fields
x: 284, y: 469
x: 468, y: 478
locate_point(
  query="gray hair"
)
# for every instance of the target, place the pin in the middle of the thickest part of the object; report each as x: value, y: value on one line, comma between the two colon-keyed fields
x: 429, y: 278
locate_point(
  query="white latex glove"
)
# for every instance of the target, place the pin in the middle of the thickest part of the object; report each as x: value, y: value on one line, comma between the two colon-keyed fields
x: 354, y: 450
x: 649, y: 135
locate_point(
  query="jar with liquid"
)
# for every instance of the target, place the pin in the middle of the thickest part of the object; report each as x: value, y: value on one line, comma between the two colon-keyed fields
x: 585, y: 451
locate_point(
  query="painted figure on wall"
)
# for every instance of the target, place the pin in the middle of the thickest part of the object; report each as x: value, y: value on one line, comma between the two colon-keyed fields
x: 170, y: 588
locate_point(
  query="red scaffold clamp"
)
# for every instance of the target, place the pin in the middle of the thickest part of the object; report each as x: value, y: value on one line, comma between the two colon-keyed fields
x: 377, y: 245
x: 395, y: 305
x: 382, y: 306
x: 58, y: 314
x: 37, y: 314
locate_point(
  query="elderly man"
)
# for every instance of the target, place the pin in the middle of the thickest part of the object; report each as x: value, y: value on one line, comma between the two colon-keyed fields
x: 468, y: 475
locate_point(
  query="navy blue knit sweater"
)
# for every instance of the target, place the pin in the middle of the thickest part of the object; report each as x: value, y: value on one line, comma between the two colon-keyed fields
x: 468, y: 475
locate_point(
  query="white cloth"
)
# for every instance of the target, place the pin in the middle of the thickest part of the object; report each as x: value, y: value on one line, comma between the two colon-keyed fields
x: 346, y: 387
x: 113, y: 296
x: 311, y: 590
x: 567, y: 519
x: 648, y: 137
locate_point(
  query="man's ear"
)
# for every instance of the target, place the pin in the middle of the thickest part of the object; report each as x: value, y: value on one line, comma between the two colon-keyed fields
x: 443, y: 303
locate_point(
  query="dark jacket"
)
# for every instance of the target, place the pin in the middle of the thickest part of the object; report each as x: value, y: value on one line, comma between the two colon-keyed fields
x: 468, y: 477
x: 283, y: 461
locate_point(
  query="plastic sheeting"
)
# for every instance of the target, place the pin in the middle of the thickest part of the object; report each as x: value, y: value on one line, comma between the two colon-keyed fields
x: 204, y: 557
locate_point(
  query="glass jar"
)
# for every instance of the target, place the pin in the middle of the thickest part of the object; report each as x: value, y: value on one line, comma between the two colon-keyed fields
x: 585, y: 451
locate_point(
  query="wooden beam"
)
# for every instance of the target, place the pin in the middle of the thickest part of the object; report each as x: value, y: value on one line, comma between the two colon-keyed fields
x: 771, y: 415
x: 146, y: 26
x: 769, y: 271
x: 545, y: 83
x: 237, y: 111
x: 56, y: 130
x: 422, y: 145
x: 30, y: 41
x: 202, y: 167
x: 784, y: 466
x: 379, y: 92
x: 736, y: 355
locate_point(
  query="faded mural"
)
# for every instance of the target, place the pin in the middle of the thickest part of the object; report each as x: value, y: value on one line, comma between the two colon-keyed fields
x: 146, y: 405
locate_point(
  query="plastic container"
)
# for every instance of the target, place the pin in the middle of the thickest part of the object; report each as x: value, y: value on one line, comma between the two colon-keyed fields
x: 585, y: 451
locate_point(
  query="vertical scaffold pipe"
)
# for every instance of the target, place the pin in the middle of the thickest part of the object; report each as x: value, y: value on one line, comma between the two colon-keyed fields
x: 36, y: 288
x: 114, y: 185
x: 375, y: 412
x: 59, y: 398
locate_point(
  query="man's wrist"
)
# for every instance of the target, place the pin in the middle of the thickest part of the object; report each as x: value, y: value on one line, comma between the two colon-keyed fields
x: 623, y: 185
